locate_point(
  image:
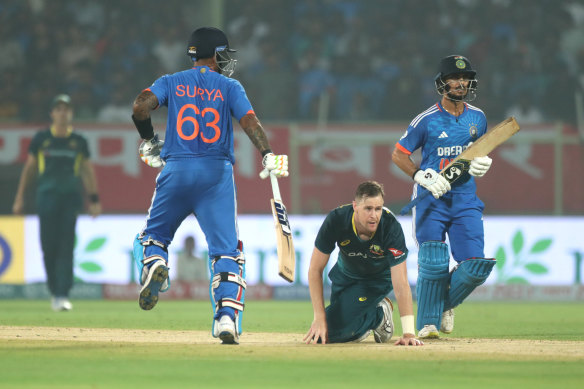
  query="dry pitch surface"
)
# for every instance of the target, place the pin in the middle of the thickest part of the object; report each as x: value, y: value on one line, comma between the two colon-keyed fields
x: 447, y: 347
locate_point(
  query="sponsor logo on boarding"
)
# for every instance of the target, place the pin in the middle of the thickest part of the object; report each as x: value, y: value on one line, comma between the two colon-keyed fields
x: 5, y: 255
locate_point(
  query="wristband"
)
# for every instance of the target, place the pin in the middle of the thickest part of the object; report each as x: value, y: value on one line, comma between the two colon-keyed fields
x: 144, y: 127
x: 94, y: 198
x: 408, y: 324
x: 413, y: 175
x: 265, y: 152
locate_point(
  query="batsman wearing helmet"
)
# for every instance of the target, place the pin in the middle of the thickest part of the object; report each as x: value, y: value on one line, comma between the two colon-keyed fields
x: 197, y: 160
x: 442, y: 132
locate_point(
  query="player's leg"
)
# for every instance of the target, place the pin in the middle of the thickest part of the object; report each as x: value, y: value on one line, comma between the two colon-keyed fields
x: 169, y: 208
x: 433, y: 263
x: 431, y: 287
x: 466, y: 236
x: 216, y: 214
x: 49, y: 236
x: 68, y: 207
x: 354, y: 308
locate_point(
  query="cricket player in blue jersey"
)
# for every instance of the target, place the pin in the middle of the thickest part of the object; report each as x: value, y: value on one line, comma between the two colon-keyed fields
x: 197, y: 160
x: 442, y: 132
x: 371, y: 263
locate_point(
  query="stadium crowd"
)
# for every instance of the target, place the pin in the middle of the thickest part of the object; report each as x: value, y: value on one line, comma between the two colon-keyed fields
x: 374, y: 60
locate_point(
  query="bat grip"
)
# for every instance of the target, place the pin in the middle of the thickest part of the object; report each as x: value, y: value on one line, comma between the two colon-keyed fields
x: 275, y: 187
x: 414, y: 202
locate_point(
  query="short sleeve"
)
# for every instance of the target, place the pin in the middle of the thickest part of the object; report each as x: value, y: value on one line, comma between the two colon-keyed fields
x: 238, y: 101
x: 160, y: 90
x: 35, y: 144
x: 326, y: 239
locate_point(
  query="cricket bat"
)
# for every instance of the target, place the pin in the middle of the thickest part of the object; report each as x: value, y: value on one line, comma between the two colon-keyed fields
x: 482, y: 147
x: 285, y: 246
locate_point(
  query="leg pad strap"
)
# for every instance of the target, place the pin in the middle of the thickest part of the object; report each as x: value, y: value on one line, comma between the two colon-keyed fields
x: 229, y: 277
x: 229, y: 302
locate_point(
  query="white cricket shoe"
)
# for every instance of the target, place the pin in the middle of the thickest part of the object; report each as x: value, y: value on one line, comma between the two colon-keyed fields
x: 155, y: 280
x: 384, y: 331
x: 362, y: 337
x: 447, y: 324
x: 226, y: 331
x: 59, y: 304
x: 428, y: 332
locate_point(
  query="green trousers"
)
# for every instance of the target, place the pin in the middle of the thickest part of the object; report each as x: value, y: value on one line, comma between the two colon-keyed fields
x: 353, y: 306
x: 58, y: 216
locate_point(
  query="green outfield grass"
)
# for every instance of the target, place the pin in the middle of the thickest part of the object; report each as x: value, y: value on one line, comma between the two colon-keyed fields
x: 42, y: 363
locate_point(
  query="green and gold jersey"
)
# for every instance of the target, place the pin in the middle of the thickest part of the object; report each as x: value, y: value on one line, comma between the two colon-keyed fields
x: 358, y: 258
x: 59, y: 160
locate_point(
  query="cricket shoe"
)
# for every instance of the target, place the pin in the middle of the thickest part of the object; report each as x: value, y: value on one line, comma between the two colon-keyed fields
x: 226, y: 331
x: 447, y: 324
x: 428, y: 332
x: 60, y: 304
x: 384, y: 331
x: 156, y: 279
x: 362, y: 337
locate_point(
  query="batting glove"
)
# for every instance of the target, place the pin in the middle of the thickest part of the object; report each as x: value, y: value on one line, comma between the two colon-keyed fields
x: 434, y: 182
x: 276, y: 164
x: 150, y: 152
x: 479, y: 166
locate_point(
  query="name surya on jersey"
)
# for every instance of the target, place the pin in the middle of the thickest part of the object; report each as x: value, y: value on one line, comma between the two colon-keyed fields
x: 194, y: 91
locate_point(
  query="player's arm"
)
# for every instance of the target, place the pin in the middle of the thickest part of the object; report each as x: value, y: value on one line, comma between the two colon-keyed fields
x: 144, y: 104
x: 318, y: 329
x: 403, y: 161
x: 270, y: 161
x: 254, y: 130
x: 403, y: 295
x: 90, y: 184
x: 151, y: 146
x: 28, y: 175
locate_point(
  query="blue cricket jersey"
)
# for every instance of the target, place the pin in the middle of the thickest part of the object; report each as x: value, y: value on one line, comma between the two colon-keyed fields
x: 200, y: 105
x: 443, y: 137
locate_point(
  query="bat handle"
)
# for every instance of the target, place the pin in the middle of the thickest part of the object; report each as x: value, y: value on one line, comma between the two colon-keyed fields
x: 264, y: 174
x: 414, y: 202
x: 275, y: 187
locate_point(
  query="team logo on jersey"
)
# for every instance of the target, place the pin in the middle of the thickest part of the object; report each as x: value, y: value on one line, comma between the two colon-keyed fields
x: 460, y: 64
x: 376, y: 249
x: 473, y: 130
x: 345, y: 242
x: 362, y: 298
x: 72, y: 144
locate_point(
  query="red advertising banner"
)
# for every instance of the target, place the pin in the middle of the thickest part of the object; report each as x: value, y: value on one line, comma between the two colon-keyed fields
x: 538, y: 171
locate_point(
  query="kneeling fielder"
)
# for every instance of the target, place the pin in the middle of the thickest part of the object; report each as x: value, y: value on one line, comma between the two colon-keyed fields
x: 371, y: 262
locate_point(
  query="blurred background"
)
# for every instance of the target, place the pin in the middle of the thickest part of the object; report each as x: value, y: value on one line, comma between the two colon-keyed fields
x: 335, y: 83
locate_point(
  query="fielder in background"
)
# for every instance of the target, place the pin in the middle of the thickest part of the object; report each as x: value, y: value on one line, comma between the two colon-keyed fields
x: 371, y: 262
x: 189, y: 266
x: 59, y: 161
x: 197, y: 176
x: 442, y: 132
